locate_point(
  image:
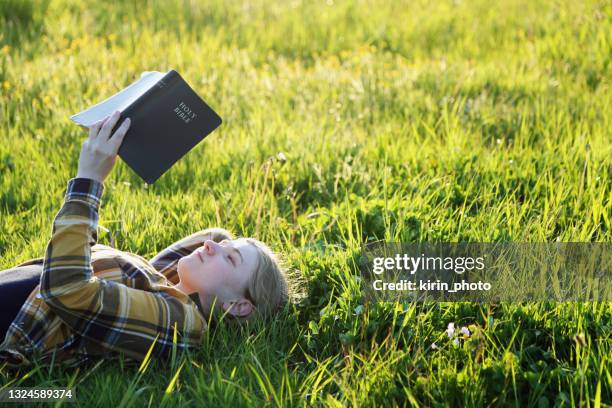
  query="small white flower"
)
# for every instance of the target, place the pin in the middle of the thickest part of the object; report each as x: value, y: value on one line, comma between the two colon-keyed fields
x: 434, y: 346
x: 465, y: 331
x: 456, y: 341
x: 450, y: 330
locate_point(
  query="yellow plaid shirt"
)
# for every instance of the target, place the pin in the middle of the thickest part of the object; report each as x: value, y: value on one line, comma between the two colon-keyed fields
x: 96, y: 301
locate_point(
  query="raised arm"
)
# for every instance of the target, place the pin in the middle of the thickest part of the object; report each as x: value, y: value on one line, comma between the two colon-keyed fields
x: 113, y: 315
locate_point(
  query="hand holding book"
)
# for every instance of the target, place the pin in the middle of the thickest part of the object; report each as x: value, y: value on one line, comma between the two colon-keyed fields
x: 99, y: 151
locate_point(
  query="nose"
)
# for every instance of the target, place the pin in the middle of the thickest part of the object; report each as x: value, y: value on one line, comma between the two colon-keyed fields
x: 210, y: 246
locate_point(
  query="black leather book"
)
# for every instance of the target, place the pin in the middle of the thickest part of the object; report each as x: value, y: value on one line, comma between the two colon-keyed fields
x: 168, y: 119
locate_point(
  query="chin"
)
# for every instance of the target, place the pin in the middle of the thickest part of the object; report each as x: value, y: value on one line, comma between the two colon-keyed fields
x: 182, y: 265
x: 187, y: 264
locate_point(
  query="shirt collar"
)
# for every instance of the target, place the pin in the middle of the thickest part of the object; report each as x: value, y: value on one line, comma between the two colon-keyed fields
x: 196, y: 298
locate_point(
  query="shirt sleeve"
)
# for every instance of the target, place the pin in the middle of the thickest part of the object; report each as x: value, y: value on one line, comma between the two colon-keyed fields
x: 118, y: 317
x: 166, y: 261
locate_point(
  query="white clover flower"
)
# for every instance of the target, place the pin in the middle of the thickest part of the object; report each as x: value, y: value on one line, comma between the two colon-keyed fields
x: 450, y: 330
x: 465, y: 331
x: 434, y: 346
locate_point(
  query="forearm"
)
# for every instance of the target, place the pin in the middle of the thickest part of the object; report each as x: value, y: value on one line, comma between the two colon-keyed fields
x: 198, y: 238
x: 67, y: 261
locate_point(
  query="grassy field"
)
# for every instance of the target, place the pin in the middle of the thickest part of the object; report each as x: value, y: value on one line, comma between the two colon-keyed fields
x: 344, y: 122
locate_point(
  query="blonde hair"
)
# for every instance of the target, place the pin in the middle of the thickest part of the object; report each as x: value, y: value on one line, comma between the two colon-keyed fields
x: 267, y: 290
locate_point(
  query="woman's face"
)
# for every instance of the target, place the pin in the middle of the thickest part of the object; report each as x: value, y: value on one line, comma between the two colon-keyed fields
x: 220, y: 270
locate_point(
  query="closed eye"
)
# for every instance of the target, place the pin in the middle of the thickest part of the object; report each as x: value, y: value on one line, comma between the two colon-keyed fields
x: 232, y: 260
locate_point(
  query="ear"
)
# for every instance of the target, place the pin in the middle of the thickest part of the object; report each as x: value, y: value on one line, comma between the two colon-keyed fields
x: 240, y: 308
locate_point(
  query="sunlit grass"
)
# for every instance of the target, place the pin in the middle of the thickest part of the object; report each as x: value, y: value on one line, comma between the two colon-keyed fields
x: 344, y: 121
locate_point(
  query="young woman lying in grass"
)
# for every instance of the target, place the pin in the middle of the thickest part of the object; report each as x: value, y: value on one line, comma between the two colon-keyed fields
x: 85, y: 300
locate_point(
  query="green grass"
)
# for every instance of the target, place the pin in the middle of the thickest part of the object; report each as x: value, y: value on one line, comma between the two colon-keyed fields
x: 405, y: 120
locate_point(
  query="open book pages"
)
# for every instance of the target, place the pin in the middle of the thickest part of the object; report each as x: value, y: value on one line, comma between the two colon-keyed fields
x: 119, y: 101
